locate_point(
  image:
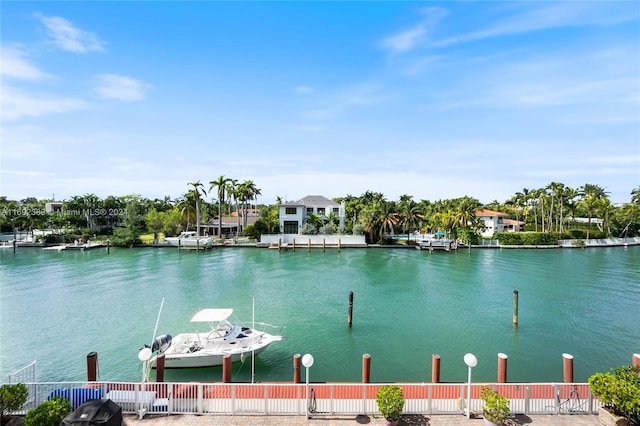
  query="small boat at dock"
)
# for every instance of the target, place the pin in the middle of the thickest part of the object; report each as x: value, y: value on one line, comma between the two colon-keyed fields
x: 437, y: 244
x: 207, y: 349
x: 190, y: 240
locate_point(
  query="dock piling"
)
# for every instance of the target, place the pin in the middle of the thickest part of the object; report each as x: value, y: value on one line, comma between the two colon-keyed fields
x: 502, y: 368
x: 226, y: 368
x: 296, y: 368
x: 515, y: 307
x: 92, y: 366
x: 366, y: 368
x: 567, y: 368
x: 160, y: 368
x: 350, y: 315
x: 435, y: 368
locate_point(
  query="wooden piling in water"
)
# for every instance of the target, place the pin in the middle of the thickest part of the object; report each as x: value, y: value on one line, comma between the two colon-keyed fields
x: 502, y: 368
x: 323, y: 244
x: 350, y: 315
x: 279, y: 244
x: 226, y: 368
x: 515, y: 307
x: 296, y: 368
x: 294, y: 244
x: 309, y: 245
x: 107, y: 246
x: 339, y: 245
x: 92, y: 366
x: 435, y: 368
x: 567, y: 368
x: 160, y: 368
x: 366, y: 368
x: 14, y: 245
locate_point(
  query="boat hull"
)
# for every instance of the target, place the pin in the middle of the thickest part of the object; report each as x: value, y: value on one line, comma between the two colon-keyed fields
x: 181, y: 353
x: 201, y: 360
x: 190, y: 243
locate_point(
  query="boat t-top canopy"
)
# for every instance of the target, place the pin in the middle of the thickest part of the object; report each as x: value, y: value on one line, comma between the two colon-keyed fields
x: 211, y: 315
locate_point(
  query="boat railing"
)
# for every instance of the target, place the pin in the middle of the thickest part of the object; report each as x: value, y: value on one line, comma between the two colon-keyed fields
x: 324, y: 399
x: 274, y: 330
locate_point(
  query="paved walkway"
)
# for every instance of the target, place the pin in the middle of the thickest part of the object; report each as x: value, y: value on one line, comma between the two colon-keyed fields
x: 411, y: 420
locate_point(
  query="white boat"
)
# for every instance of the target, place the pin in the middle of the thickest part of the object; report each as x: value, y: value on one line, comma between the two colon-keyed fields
x: 190, y: 240
x: 207, y: 349
x: 437, y: 244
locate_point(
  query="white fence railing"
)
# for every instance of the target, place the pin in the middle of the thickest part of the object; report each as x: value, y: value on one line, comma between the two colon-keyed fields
x: 321, y: 399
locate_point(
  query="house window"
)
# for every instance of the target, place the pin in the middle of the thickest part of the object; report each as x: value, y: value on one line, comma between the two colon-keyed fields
x: 290, y: 227
x: 336, y: 210
x: 321, y: 210
x: 291, y: 210
x: 309, y: 210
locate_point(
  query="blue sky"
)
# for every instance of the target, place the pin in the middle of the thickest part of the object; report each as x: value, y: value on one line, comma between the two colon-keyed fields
x: 432, y: 99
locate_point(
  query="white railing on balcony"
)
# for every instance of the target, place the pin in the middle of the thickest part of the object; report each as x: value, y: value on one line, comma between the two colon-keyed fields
x: 322, y: 398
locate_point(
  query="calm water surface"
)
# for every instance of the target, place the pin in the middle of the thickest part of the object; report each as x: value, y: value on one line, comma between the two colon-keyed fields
x: 56, y: 307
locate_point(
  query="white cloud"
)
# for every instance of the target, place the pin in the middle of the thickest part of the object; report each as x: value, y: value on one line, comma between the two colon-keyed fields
x: 15, y: 65
x: 339, y: 102
x: 543, y: 16
x: 122, y: 88
x: 303, y: 90
x: 16, y: 104
x: 418, y: 34
x: 68, y: 37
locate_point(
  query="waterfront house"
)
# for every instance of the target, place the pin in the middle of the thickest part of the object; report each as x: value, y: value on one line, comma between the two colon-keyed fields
x: 294, y: 214
x: 497, y: 222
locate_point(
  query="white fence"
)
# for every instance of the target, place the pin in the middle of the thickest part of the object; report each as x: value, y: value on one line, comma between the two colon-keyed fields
x: 302, y: 241
x: 320, y: 399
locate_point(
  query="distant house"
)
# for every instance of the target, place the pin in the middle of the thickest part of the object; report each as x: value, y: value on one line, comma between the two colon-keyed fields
x: 498, y: 222
x: 229, y: 225
x: 293, y: 214
x: 53, y: 207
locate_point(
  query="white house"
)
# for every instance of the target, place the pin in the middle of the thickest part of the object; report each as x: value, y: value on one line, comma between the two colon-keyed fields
x: 293, y: 214
x: 498, y: 222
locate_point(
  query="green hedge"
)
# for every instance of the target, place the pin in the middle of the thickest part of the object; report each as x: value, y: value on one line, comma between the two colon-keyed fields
x: 526, y: 238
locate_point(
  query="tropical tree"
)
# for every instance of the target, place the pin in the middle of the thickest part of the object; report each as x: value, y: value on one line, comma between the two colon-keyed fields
x: 591, y: 199
x: 222, y: 183
x: 197, y: 192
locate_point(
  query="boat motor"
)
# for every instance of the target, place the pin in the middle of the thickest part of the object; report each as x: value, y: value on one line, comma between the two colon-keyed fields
x: 161, y: 343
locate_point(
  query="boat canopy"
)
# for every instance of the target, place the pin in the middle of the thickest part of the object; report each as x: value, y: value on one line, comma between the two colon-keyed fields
x: 211, y: 315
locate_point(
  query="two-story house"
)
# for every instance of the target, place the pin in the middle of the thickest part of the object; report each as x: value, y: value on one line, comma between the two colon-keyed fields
x: 497, y: 222
x: 293, y: 214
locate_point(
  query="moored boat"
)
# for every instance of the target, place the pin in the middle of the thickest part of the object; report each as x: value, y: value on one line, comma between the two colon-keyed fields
x: 207, y: 349
x: 190, y: 240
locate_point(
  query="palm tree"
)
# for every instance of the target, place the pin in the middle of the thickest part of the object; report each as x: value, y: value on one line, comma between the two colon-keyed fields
x: 186, y: 209
x: 635, y: 196
x: 248, y: 192
x: 222, y: 183
x: 591, y: 197
x: 197, y: 192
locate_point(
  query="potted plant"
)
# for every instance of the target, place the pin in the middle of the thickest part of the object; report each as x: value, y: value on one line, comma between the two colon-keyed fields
x: 495, y: 407
x: 390, y: 401
x: 619, y: 391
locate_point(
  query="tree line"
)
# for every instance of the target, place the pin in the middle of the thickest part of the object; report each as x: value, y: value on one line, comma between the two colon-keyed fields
x: 550, y: 209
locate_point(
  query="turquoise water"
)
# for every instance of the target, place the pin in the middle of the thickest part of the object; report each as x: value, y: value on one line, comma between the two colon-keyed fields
x: 56, y: 307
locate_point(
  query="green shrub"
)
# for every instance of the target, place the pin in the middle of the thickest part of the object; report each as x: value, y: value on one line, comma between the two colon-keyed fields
x: 12, y: 398
x: 390, y: 400
x: 577, y: 234
x: 509, y: 238
x: 49, y: 413
x: 527, y: 238
x: 619, y: 391
x: 495, y: 407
